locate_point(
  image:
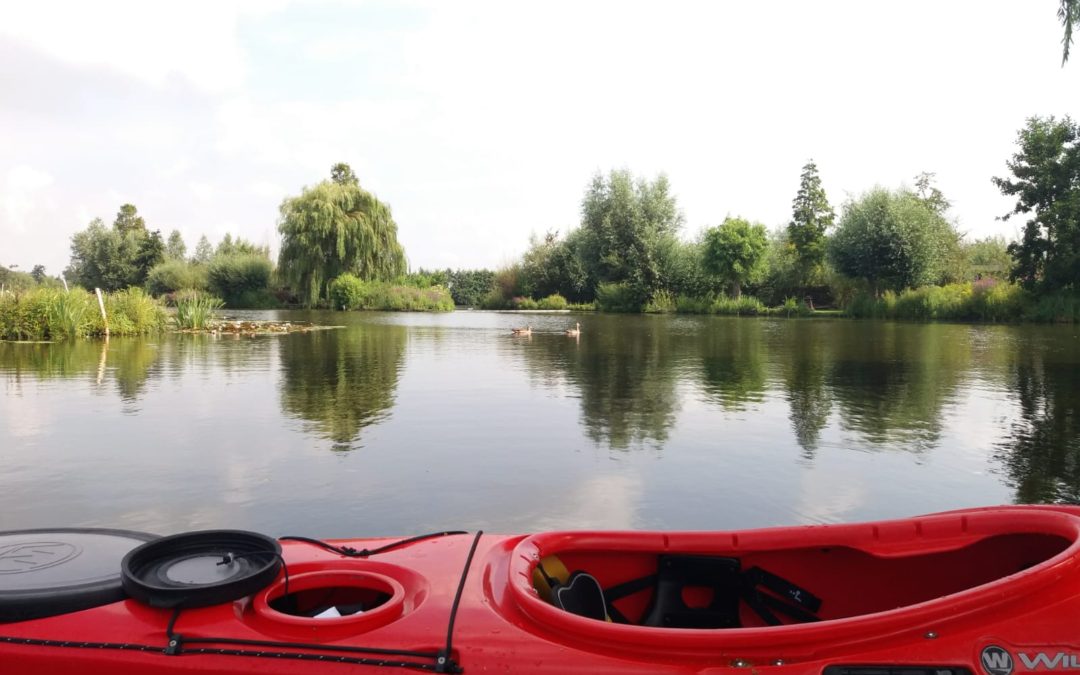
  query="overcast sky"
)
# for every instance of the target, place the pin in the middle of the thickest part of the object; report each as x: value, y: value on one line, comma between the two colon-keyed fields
x: 480, y: 123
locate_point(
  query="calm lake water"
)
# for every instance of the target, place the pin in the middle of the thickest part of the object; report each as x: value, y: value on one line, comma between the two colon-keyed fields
x: 402, y: 423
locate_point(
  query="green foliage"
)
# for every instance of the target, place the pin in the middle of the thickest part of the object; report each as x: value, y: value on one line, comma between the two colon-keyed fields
x: 128, y: 219
x: 682, y: 268
x: 175, y: 248
x: 1058, y: 307
x: 625, y: 222
x: 115, y: 257
x: 812, y: 216
x: 14, y: 280
x: 695, y: 304
x: 1069, y: 15
x: 621, y: 297
x: 506, y: 286
x: 552, y: 302
x: 176, y: 274
x: 195, y: 311
x: 893, y: 240
x: 744, y: 305
x: 204, y: 251
x: 237, y: 275
x: 984, y: 300
x: 662, y: 302
x: 342, y: 174
x: 349, y: 292
x: 423, y: 278
x: 468, y: 287
x: 332, y: 229
x: 554, y: 265
x: 988, y: 257
x: 1046, y: 184
x: 54, y: 314
x: 239, y: 246
x: 38, y: 274
x: 735, y: 252
x: 131, y: 312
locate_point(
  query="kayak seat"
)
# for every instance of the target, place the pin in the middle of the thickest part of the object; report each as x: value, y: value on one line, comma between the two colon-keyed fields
x: 726, y: 586
x: 720, y: 584
x: 578, y: 593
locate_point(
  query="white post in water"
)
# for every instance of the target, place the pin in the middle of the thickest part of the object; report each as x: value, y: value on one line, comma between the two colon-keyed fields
x: 101, y: 304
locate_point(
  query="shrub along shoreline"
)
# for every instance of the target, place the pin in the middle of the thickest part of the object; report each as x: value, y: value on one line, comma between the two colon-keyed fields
x: 47, y: 313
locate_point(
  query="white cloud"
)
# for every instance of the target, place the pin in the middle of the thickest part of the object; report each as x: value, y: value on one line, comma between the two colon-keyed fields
x: 21, y: 196
x: 152, y: 41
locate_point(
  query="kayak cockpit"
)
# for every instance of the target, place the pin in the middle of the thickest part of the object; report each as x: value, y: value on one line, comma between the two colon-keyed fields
x: 788, y: 579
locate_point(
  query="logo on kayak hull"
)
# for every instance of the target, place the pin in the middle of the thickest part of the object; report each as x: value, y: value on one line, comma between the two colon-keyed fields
x: 998, y: 661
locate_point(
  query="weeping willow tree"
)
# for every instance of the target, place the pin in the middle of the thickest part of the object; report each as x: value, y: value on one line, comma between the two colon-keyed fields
x: 333, y: 228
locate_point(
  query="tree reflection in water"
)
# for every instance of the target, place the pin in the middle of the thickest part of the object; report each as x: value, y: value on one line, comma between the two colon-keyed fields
x: 1042, y: 456
x: 341, y: 381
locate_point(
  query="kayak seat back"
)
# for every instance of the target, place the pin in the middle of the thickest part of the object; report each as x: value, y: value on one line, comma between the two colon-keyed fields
x: 676, y: 579
x: 578, y: 593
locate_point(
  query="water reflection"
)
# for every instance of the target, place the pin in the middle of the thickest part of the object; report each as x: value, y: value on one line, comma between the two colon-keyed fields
x: 126, y: 363
x: 733, y: 363
x: 843, y: 418
x: 623, y: 369
x: 341, y: 381
x: 1042, y: 456
x: 891, y: 380
x: 807, y: 393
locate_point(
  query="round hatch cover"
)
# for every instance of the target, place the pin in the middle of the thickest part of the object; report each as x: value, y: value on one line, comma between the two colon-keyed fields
x: 197, y: 569
x: 55, y: 571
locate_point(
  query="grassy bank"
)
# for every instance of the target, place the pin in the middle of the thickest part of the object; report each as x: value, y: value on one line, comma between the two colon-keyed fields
x: 984, y: 301
x: 55, y: 314
x: 351, y: 293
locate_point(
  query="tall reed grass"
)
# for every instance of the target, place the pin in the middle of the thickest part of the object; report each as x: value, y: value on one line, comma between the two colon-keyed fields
x: 195, y: 311
x: 985, y: 300
x: 56, y: 314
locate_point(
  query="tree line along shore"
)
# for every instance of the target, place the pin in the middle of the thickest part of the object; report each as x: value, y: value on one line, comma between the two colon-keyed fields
x: 889, y: 253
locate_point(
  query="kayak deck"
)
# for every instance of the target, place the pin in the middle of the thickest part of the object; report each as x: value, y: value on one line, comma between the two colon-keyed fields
x: 930, y: 591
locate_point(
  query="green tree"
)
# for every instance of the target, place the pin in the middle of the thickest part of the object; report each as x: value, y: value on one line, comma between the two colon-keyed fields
x: 553, y: 265
x: 240, y: 246
x: 1069, y: 15
x: 735, y: 252
x: 238, y: 278
x: 1046, y: 184
x: 930, y: 194
x: 625, y: 223
x: 333, y: 228
x: 175, y: 248
x: 38, y: 273
x: 342, y: 174
x: 128, y: 219
x: 893, y: 240
x: 204, y: 251
x: 812, y: 216
x: 103, y: 257
x: 150, y: 252
x: 988, y: 257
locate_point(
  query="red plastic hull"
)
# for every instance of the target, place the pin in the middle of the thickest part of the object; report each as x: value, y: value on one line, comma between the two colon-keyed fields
x: 874, y: 612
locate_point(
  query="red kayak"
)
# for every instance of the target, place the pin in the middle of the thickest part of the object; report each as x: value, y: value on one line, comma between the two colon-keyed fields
x: 991, y: 591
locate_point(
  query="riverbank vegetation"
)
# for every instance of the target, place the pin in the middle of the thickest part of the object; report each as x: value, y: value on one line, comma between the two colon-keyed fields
x: 349, y: 292
x: 891, y: 253
x: 887, y: 252
x: 56, y: 314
